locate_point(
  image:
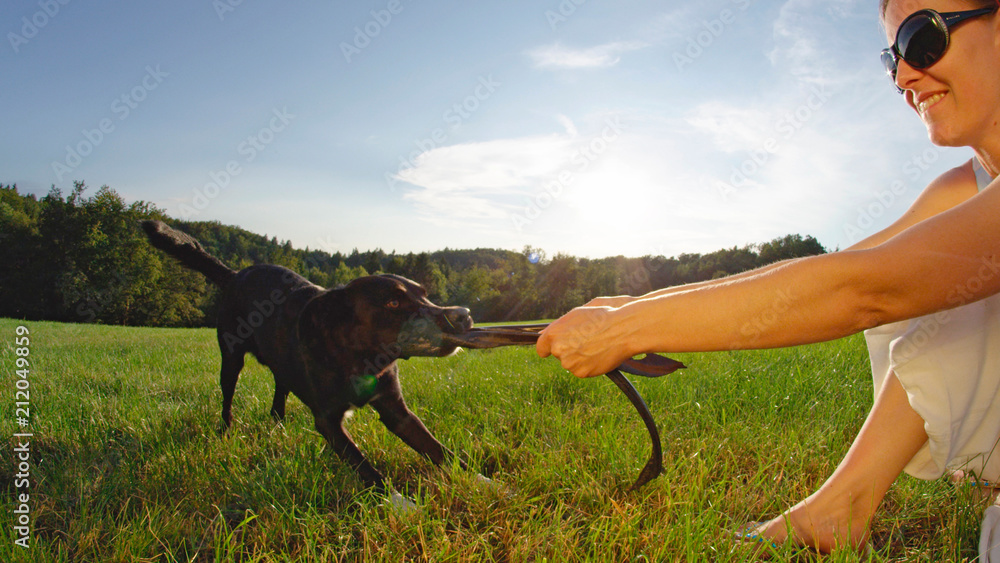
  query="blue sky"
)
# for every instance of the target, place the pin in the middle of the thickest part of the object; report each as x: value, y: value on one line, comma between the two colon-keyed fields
x: 588, y: 127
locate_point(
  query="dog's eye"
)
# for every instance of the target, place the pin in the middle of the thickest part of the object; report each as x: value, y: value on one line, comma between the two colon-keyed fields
x: 394, y: 304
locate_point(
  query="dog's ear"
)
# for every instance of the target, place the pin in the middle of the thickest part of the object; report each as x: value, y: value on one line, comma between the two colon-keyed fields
x: 324, y: 325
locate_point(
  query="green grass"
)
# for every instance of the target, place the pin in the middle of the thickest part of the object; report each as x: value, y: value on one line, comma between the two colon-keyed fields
x: 127, y: 463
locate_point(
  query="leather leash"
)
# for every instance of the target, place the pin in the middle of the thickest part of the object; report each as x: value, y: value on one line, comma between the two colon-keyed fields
x: 652, y: 365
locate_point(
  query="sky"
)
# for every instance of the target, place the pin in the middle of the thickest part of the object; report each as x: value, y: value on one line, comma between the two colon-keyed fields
x: 586, y: 127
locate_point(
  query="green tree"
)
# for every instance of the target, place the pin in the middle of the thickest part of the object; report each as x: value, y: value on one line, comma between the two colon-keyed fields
x: 107, y: 268
x: 788, y: 246
x: 344, y: 274
x: 21, y: 294
x: 84, y: 259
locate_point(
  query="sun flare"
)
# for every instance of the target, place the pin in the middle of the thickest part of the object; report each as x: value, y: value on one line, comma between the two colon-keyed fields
x: 614, y: 189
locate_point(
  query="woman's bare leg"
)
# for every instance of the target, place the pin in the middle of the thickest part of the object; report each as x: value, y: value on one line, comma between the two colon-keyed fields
x: 840, y: 512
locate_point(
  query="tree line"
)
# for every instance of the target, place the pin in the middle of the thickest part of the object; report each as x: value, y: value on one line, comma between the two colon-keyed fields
x: 80, y: 258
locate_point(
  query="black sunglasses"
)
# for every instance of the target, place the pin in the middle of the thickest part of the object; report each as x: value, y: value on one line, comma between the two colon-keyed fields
x: 923, y: 38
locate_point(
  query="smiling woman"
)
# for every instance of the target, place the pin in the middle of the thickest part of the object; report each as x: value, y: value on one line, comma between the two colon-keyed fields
x: 932, y: 348
x: 925, y: 63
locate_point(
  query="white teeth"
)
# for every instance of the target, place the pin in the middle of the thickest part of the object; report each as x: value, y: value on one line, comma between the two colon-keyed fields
x: 922, y: 106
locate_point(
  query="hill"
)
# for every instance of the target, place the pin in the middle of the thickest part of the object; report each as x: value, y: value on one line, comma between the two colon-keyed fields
x: 84, y: 259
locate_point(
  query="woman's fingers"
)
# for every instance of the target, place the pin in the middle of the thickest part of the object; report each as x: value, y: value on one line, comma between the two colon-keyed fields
x: 580, y: 341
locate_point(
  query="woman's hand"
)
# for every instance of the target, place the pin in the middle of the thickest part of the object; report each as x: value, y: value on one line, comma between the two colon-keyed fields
x: 588, y: 340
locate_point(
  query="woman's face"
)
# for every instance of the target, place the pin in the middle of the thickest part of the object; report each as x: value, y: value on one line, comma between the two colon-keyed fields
x: 958, y: 97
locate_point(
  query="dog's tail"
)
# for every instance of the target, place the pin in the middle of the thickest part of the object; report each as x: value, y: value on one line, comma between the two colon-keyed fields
x: 187, y: 251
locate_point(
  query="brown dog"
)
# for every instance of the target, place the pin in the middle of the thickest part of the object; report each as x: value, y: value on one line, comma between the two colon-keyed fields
x: 335, y: 349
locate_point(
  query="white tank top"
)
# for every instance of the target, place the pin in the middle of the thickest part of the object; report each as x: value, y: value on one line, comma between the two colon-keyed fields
x: 983, y: 177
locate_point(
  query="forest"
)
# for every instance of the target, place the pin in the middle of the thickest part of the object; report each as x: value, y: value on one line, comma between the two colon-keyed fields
x: 83, y: 258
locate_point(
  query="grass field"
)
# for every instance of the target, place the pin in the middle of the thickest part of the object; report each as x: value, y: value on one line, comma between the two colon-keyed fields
x: 126, y: 462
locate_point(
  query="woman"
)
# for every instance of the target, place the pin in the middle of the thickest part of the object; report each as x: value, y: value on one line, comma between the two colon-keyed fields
x: 932, y: 412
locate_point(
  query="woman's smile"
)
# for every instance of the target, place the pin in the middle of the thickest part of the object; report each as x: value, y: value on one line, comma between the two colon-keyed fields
x: 924, y: 102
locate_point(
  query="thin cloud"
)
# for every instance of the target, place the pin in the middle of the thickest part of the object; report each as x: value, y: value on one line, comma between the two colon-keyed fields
x: 732, y: 127
x: 807, y: 36
x: 557, y: 56
x: 488, y: 166
x: 568, y: 124
x: 484, y: 180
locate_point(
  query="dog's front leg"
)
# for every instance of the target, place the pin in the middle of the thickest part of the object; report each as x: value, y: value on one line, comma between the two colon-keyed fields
x: 401, y: 421
x: 332, y: 428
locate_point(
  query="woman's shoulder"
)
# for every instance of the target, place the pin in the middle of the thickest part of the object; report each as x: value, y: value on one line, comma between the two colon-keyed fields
x: 963, y: 175
x: 945, y: 192
x: 952, y: 187
x: 948, y: 190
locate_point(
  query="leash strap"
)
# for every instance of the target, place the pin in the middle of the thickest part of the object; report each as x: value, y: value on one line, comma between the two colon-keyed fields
x: 651, y: 365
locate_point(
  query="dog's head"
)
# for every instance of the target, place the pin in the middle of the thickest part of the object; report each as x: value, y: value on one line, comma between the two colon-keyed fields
x: 384, y: 316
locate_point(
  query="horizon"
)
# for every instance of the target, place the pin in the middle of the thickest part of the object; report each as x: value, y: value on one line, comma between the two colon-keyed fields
x: 535, y: 255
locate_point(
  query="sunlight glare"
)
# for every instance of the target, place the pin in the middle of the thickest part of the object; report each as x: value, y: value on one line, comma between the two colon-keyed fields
x: 614, y: 189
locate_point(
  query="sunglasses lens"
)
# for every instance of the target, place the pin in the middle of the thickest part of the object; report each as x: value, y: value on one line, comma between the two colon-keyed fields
x: 922, y: 40
x: 889, y: 61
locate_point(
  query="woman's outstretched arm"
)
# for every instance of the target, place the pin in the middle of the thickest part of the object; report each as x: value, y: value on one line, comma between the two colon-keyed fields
x: 941, y: 262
